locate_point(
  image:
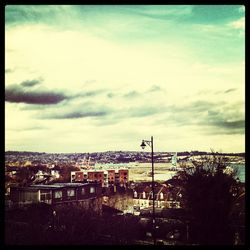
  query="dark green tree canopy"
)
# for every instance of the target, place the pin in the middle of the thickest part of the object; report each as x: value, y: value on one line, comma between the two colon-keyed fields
x: 209, y: 200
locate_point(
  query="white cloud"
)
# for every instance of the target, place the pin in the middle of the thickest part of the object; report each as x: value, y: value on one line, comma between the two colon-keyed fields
x: 78, y: 61
x: 238, y: 24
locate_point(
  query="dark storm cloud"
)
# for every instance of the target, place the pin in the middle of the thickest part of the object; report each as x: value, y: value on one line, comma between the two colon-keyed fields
x: 219, y: 127
x: 19, y: 94
x: 73, y: 114
x: 230, y: 90
x: 240, y: 124
x: 225, y: 91
x: 31, y: 83
x: 211, y: 118
x: 229, y: 122
x: 73, y: 110
x: 39, y: 99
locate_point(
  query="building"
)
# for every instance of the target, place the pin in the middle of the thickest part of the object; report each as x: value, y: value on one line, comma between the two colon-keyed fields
x: 121, y: 177
x: 107, y: 177
x: 87, y: 195
x: 55, y: 173
x: 165, y: 196
x: 88, y: 176
x: 111, y: 176
x: 40, y: 175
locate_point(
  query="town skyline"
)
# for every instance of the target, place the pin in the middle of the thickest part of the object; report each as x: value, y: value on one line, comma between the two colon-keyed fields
x: 125, y: 151
x: 102, y: 78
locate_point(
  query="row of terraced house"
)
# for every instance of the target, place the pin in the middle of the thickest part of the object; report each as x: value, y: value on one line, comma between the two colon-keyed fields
x: 165, y: 196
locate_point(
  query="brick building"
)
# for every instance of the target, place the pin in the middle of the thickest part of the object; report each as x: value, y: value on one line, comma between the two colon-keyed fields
x: 106, y: 177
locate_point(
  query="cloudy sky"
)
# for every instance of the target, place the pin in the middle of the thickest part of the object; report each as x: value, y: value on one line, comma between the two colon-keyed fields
x: 99, y: 78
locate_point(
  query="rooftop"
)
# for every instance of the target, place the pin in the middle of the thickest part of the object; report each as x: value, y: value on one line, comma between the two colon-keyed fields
x: 56, y: 185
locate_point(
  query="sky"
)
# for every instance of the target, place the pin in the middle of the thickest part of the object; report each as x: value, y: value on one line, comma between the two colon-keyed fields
x: 89, y: 78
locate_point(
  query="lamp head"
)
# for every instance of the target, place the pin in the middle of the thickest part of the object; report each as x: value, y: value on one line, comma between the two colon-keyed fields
x: 143, y: 145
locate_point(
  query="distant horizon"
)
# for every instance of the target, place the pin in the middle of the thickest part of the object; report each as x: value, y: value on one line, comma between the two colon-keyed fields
x: 143, y: 151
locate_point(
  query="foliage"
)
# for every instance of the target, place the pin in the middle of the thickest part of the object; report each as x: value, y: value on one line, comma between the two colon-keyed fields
x: 70, y: 225
x: 209, y: 200
x: 65, y: 173
x: 24, y: 176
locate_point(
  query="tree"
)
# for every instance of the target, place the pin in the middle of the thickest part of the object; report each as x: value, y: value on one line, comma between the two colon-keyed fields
x: 209, y: 200
x: 24, y: 176
x: 65, y: 173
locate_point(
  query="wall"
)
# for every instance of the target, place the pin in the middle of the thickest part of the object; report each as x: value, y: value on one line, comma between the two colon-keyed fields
x: 123, y: 202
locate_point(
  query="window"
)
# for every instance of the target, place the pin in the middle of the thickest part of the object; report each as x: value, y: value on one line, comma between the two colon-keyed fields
x: 135, y: 194
x: 161, y: 195
x: 92, y: 190
x: 58, y: 194
x: 71, y: 192
x: 45, y: 196
x: 83, y: 191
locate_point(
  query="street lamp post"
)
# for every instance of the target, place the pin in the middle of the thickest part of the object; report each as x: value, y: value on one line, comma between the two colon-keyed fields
x: 143, y: 145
